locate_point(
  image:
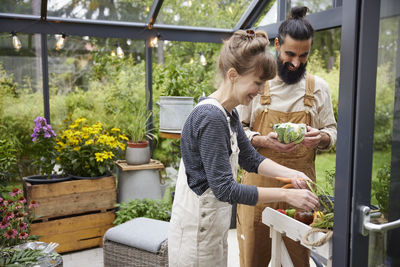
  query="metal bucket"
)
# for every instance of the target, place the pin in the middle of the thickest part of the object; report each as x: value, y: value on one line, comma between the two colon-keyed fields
x: 174, y: 111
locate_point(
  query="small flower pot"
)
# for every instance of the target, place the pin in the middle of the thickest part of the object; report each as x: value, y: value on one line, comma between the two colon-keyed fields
x: 45, y: 179
x: 138, y: 153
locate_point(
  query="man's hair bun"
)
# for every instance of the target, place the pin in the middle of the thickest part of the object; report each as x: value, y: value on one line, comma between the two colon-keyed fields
x: 298, y: 12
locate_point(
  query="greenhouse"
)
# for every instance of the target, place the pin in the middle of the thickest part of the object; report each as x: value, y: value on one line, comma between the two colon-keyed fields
x: 98, y: 106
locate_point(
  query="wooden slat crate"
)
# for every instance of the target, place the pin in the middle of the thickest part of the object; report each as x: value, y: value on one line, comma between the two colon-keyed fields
x: 72, y: 197
x: 75, y: 232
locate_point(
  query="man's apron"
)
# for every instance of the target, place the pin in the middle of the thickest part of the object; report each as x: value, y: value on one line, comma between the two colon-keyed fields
x: 253, y: 235
x: 198, y: 230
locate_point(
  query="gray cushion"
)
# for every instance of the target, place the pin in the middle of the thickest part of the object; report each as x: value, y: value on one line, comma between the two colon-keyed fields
x: 143, y: 233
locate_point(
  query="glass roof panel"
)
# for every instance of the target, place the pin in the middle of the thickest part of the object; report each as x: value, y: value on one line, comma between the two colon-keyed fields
x: 117, y: 10
x: 269, y: 16
x: 28, y: 7
x: 206, y: 13
x: 313, y: 5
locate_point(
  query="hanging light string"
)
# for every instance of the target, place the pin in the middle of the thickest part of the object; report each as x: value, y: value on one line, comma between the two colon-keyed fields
x: 16, y: 42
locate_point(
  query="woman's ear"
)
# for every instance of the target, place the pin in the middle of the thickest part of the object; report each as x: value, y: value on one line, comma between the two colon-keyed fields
x: 232, y: 74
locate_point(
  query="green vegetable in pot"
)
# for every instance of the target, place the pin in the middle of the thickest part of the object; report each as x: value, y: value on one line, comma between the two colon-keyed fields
x: 290, y: 132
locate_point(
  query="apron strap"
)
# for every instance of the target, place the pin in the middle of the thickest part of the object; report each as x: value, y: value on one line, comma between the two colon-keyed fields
x: 309, y: 95
x: 265, y: 99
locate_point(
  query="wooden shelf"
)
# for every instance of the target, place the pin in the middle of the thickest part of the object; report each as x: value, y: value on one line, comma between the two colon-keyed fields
x: 153, y: 164
x: 170, y: 135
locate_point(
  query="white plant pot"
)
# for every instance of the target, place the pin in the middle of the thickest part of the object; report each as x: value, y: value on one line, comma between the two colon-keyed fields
x: 137, y: 154
x: 174, y: 111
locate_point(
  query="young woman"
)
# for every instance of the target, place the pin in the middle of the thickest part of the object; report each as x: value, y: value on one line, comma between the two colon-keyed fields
x: 213, y: 143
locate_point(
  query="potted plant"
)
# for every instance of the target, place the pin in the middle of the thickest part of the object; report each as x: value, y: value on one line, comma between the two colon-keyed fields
x: 138, y: 150
x: 88, y: 151
x: 44, y: 158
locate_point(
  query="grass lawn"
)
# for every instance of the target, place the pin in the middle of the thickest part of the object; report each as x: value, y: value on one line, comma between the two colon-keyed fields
x: 327, y: 161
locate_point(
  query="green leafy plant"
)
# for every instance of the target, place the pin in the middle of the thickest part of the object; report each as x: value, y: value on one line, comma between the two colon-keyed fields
x: 381, y: 188
x: 149, y: 208
x: 19, y: 257
x: 89, y: 150
x: 8, y: 161
x: 15, y: 219
x: 136, y: 126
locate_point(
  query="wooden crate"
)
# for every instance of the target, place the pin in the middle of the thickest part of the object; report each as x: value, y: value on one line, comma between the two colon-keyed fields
x: 72, y: 197
x: 75, y: 232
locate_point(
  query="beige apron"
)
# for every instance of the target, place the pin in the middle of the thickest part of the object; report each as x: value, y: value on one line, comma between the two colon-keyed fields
x: 252, y: 234
x: 198, y: 230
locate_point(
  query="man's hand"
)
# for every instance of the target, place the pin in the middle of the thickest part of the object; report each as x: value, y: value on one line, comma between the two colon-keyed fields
x: 271, y: 141
x: 312, y: 138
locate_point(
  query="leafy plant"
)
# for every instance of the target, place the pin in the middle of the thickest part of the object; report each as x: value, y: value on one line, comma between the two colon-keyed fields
x: 381, y: 188
x: 8, y: 161
x: 89, y: 150
x: 44, y: 139
x: 149, y: 208
x: 19, y: 257
x: 15, y: 219
x: 136, y: 126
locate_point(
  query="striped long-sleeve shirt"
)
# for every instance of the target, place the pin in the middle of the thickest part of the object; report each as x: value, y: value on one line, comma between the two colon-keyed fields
x: 205, y: 147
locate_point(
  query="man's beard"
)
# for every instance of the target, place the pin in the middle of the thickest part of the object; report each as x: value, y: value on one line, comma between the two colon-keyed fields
x: 288, y: 76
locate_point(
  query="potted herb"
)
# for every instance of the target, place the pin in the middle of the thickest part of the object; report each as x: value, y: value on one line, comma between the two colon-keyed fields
x: 88, y: 151
x: 138, y: 150
x: 44, y: 158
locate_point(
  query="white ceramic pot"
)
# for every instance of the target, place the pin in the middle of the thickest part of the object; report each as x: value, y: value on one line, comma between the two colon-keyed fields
x: 138, y: 153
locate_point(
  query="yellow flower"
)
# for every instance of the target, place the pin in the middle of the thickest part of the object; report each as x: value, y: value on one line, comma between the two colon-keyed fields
x: 77, y: 148
x: 115, y: 130
x: 89, y: 142
x: 123, y: 137
x: 99, y: 156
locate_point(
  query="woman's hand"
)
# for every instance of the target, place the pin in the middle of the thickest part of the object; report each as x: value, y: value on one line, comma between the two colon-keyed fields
x: 301, y: 198
x: 299, y: 181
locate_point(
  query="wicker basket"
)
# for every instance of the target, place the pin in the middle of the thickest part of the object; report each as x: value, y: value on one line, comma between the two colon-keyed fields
x: 119, y: 255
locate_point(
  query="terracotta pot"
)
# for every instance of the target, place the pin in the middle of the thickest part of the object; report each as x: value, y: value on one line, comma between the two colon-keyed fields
x: 138, y: 153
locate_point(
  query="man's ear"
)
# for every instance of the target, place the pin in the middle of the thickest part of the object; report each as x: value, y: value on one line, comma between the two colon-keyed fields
x: 232, y: 74
x: 277, y: 44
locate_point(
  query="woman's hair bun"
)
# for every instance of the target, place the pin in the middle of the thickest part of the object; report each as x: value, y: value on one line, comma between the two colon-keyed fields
x: 298, y: 12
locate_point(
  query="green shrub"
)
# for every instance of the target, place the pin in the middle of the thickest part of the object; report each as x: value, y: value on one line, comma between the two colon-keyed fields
x: 380, y: 187
x: 149, y: 208
x: 8, y: 162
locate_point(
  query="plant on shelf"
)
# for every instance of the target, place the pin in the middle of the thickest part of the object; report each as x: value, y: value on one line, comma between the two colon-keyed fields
x: 149, y: 208
x: 15, y: 219
x: 89, y: 150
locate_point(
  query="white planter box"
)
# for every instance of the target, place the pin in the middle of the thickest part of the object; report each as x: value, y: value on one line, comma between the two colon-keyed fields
x: 283, y: 225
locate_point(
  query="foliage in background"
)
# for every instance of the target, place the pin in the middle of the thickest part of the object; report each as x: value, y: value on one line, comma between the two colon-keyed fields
x: 19, y: 257
x: 89, y: 150
x: 149, y: 208
x: 8, y: 162
x: 15, y: 220
x: 380, y: 187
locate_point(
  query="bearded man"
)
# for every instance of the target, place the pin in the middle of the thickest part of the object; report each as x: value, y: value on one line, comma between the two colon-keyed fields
x: 292, y: 96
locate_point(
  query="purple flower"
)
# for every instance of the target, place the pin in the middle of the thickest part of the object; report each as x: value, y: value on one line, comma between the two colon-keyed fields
x: 22, y: 225
x: 10, y: 233
x: 15, y: 191
x: 4, y: 224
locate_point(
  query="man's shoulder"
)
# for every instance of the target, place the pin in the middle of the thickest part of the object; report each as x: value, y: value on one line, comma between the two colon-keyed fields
x: 319, y: 82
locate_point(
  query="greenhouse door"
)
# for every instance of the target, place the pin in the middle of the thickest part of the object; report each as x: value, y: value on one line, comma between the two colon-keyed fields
x: 367, y: 188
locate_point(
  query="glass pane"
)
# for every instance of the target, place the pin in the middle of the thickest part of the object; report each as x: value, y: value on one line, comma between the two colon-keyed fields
x: 269, y: 16
x: 99, y: 79
x: 21, y: 98
x: 31, y: 7
x: 386, y: 136
x: 206, y: 13
x: 313, y: 5
x: 121, y: 10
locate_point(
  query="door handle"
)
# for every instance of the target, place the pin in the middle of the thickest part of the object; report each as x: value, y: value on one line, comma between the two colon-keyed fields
x: 367, y: 226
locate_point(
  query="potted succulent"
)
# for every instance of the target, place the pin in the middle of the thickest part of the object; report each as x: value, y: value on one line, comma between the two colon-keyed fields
x: 88, y: 151
x: 44, y: 158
